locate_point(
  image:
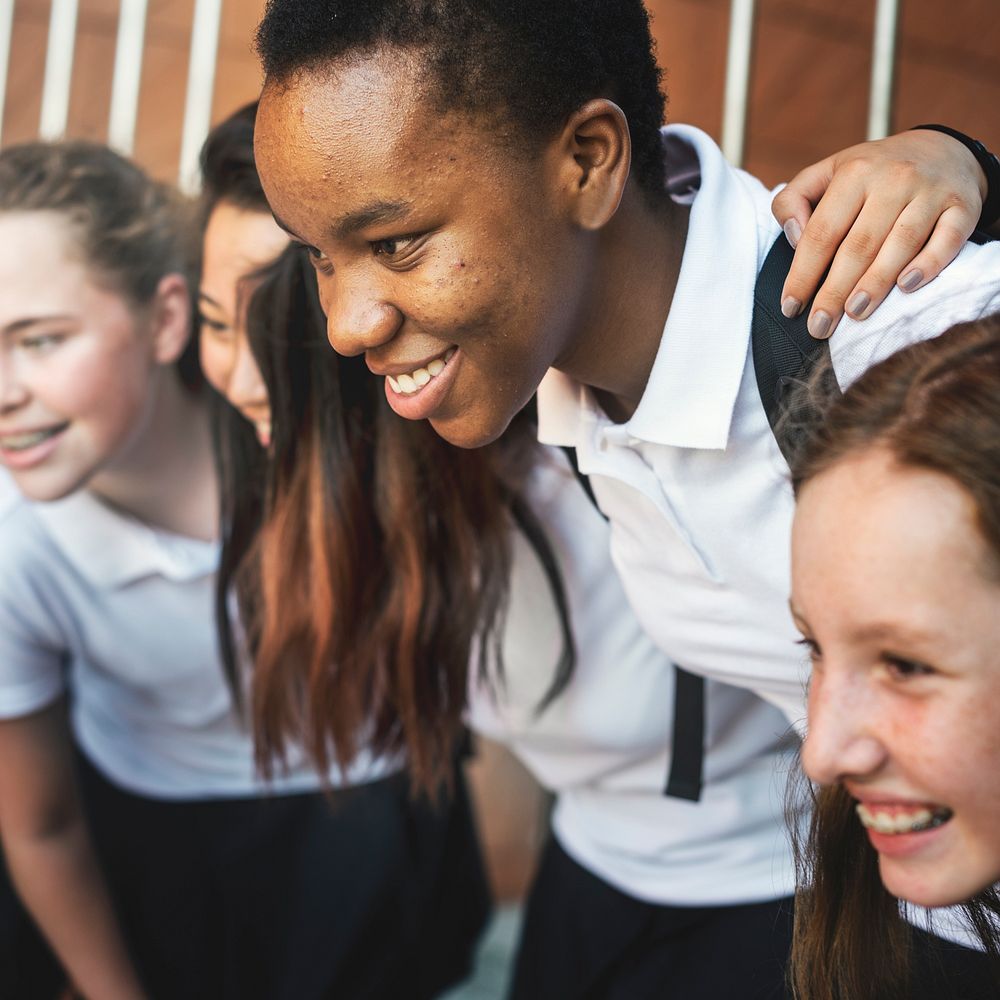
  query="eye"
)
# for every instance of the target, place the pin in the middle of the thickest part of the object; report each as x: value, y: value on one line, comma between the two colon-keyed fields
x: 318, y: 259
x: 395, y: 249
x: 812, y: 648
x: 42, y: 341
x: 212, y: 324
x: 902, y: 669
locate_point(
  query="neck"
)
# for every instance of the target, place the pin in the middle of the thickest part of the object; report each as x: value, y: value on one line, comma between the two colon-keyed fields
x: 165, y: 476
x: 639, y: 260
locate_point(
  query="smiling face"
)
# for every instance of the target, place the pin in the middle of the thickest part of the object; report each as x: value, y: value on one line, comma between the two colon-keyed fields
x: 76, y: 365
x: 237, y: 243
x: 451, y: 262
x: 896, y: 593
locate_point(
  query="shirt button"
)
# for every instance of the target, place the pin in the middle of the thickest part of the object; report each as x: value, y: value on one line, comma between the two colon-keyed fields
x: 602, y: 445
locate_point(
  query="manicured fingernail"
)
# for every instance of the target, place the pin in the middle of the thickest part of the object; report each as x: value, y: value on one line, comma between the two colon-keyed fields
x: 793, y: 231
x: 911, y: 279
x: 859, y: 304
x: 819, y: 325
x: 790, y: 307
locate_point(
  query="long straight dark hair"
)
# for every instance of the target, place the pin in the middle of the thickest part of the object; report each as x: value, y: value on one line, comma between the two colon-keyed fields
x: 371, y: 559
x: 934, y: 405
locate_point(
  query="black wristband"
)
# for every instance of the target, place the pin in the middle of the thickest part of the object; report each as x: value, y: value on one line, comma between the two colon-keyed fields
x: 991, y: 167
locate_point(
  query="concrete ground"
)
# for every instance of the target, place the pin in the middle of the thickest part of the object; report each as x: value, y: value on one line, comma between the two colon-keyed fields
x: 493, y: 961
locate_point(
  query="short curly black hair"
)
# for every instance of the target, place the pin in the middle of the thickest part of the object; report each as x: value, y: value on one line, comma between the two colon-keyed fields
x: 528, y: 63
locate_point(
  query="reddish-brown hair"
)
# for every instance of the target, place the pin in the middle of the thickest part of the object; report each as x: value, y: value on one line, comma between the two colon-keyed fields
x: 371, y: 558
x: 934, y: 405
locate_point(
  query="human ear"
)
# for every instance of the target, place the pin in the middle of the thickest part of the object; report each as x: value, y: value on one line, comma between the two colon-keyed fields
x: 595, y: 152
x: 171, y: 318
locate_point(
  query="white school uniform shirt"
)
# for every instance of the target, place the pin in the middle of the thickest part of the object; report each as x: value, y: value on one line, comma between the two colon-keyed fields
x: 694, y: 485
x: 119, y: 615
x: 604, y: 745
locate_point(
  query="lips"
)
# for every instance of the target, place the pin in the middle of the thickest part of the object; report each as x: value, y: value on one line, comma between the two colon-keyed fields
x: 17, y: 441
x: 893, y: 819
x: 425, y: 396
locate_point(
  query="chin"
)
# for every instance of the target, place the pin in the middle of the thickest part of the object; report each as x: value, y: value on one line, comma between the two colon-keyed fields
x: 42, y: 488
x: 466, y: 434
x: 946, y: 885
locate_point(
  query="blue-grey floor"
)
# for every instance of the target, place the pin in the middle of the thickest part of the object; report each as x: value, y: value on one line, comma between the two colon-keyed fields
x: 493, y: 961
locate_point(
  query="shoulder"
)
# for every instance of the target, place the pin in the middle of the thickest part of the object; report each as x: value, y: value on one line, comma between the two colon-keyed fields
x: 967, y: 289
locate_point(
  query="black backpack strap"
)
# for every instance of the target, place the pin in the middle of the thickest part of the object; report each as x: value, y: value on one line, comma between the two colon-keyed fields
x: 784, y: 354
x: 687, y: 761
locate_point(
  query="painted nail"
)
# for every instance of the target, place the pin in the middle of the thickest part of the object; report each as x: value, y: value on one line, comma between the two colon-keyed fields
x: 819, y: 325
x: 790, y: 307
x: 911, y: 279
x: 793, y: 231
x: 859, y: 304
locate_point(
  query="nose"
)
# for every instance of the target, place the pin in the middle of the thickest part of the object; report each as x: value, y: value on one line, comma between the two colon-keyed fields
x: 246, y: 387
x: 842, y: 738
x: 357, y: 317
x: 12, y: 393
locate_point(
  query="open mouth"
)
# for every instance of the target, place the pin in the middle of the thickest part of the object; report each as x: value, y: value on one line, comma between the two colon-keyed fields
x: 22, y: 442
x: 899, y: 821
x: 410, y: 383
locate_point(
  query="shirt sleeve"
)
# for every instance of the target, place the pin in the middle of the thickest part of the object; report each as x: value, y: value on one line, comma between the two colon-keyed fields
x: 967, y: 289
x: 32, y: 650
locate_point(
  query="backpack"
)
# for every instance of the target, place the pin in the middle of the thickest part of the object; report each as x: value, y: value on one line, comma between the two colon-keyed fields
x: 784, y: 353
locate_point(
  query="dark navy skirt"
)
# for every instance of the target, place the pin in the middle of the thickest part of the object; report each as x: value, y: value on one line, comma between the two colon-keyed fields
x: 370, y: 894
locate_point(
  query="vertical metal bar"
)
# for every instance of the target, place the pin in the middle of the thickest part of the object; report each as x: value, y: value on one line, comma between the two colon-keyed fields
x: 738, y: 58
x: 127, y: 75
x: 6, y: 28
x: 201, y: 81
x: 883, y: 68
x: 58, y: 69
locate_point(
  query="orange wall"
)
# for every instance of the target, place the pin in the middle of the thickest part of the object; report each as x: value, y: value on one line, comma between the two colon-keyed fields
x: 808, y: 97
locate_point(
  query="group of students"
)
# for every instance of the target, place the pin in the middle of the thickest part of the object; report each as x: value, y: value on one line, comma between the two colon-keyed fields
x: 244, y: 626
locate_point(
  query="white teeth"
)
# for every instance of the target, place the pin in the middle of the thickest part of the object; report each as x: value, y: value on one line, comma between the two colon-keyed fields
x: 910, y: 822
x: 415, y: 380
x: 21, y: 442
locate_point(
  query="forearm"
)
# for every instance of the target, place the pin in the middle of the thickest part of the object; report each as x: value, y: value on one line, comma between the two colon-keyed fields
x: 61, y: 884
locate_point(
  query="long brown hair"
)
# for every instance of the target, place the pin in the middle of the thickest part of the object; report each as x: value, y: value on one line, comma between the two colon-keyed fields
x: 374, y: 566
x: 934, y: 405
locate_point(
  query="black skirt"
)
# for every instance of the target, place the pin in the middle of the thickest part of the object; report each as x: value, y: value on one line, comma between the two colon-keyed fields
x: 585, y: 940
x: 369, y: 895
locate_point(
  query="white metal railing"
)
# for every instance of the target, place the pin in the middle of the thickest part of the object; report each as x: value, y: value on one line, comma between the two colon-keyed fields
x: 204, y: 50
x: 127, y: 75
x: 6, y: 28
x: 58, y: 69
x: 200, y: 86
x: 738, y: 61
x: 883, y: 68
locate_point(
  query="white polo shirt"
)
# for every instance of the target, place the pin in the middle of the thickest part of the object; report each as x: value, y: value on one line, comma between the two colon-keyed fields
x: 604, y: 745
x: 694, y: 485
x: 120, y: 615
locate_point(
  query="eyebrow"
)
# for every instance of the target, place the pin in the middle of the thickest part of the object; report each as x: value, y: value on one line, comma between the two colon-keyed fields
x: 878, y: 630
x: 373, y: 214
x: 204, y: 296
x: 29, y: 321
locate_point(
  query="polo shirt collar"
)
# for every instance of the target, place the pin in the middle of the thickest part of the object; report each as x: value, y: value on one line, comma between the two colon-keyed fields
x: 694, y: 382
x: 110, y: 549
